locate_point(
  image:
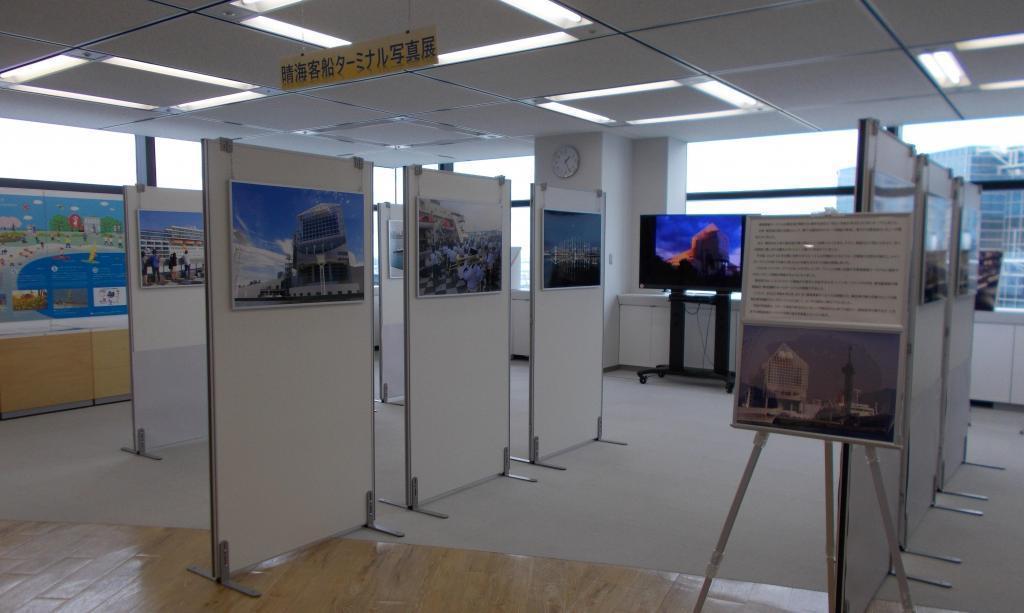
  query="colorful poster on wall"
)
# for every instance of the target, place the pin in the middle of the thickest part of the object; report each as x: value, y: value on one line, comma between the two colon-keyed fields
x: 572, y: 249
x: 56, y: 250
x: 172, y: 248
x: 295, y: 246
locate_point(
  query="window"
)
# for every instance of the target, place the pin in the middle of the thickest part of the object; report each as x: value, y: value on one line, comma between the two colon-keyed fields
x: 988, y: 152
x: 802, y: 205
x: 179, y: 164
x: 48, y: 152
x: 521, y: 239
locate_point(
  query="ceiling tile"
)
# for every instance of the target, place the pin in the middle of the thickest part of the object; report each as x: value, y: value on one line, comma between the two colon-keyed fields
x: 186, y: 128
x: 99, y: 79
x: 206, y: 45
x: 481, y: 149
x: 660, y: 103
x: 827, y: 28
x: 975, y: 105
x: 290, y: 112
x: 991, y: 65
x: 889, y: 112
x: 194, y: 4
x: 392, y: 158
x: 925, y: 22
x: 512, y: 119
x: 48, y: 109
x: 79, y: 21
x: 875, y: 76
x: 305, y: 144
x: 394, y: 133
x: 740, y: 126
x: 609, y: 61
x: 633, y: 15
x: 404, y: 94
x: 461, y: 24
x: 15, y: 51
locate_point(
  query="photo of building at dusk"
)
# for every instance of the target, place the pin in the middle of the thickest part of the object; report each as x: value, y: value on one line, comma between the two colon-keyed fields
x: 572, y: 249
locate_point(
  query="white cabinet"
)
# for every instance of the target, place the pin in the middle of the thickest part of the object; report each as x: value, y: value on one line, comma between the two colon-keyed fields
x: 661, y: 326
x: 635, y: 334
x: 992, y: 363
x: 645, y: 331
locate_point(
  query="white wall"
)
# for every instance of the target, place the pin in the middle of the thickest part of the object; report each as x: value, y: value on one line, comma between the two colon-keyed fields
x: 658, y: 186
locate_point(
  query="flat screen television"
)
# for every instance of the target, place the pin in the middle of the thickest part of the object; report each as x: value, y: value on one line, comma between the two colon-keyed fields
x: 702, y: 252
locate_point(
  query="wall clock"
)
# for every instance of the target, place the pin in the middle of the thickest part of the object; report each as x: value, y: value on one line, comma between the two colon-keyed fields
x: 565, y: 162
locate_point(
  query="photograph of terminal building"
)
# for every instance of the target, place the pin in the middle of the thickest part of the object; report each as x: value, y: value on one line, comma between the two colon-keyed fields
x: 937, y: 225
x: 840, y: 384
x: 172, y: 248
x: 460, y: 247
x: 572, y: 249
x: 396, y: 248
x: 692, y: 252
x: 293, y: 246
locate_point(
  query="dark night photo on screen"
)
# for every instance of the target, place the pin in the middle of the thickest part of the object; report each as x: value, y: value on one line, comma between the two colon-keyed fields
x: 691, y: 251
x: 572, y: 249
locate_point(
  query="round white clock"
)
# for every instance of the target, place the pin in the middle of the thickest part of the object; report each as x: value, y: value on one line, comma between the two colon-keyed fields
x: 565, y: 162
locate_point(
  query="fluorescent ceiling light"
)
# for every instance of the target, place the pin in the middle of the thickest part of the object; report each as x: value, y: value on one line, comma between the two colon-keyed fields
x: 41, y: 68
x: 575, y: 112
x: 991, y: 42
x: 511, y: 46
x: 218, y: 101
x: 1002, y: 85
x: 293, y: 31
x: 692, y: 117
x: 944, y: 68
x: 175, y: 72
x: 85, y: 97
x: 555, y: 14
x: 263, y: 6
x: 615, y: 91
x: 725, y: 93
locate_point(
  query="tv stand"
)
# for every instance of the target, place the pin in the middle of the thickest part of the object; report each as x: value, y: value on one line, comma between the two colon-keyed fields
x: 677, y: 340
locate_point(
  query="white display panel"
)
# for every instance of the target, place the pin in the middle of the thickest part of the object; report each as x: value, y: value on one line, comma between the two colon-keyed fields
x: 292, y: 388
x: 392, y: 304
x: 566, y: 373
x: 457, y: 348
x: 169, y: 395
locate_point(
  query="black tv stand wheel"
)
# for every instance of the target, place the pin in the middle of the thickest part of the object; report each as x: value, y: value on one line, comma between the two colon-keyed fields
x: 643, y: 379
x: 661, y: 375
x: 728, y: 387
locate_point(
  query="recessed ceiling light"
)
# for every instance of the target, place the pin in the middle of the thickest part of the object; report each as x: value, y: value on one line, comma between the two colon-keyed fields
x: 725, y: 93
x: 944, y: 68
x: 575, y: 112
x: 615, y: 91
x: 691, y: 117
x: 991, y: 42
x: 511, y: 46
x: 263, y: 6
x: 76, y: 96
x: 293, y: 31
x: 176, y: 72
x: 1002, y: 85
x: 555, y: 14
x: 218, y: 101
x: 41, y: 68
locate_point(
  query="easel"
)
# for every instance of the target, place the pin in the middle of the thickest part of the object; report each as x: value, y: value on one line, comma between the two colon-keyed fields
x: 677, y: 340
x: 871, y: 454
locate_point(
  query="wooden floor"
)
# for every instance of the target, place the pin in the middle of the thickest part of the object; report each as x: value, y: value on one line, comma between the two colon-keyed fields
x: 88, y: 567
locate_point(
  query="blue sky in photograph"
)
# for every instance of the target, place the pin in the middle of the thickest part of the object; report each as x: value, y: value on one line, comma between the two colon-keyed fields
x: 673, y: 233
x: 560, y: 225
x: 36, y: 210
x: 158, y: 220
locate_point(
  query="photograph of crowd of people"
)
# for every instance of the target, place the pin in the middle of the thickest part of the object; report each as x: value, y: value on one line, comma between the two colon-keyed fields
x: 460, y: 247
x: 572, y: 249
x: 172, y: 248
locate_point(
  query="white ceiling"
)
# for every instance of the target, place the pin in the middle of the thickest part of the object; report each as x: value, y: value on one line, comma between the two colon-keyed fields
x: 814, y: 64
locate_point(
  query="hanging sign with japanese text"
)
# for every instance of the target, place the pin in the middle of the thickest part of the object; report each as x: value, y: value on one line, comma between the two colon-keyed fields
x: 412, y: 49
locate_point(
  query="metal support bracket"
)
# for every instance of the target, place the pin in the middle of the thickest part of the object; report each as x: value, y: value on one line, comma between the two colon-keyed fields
x: 413, y: 496
x: 962, y: 510
x: 358, y: 162
x: 600, y: 434
x: 226, y: 145
x: 933, y: 556
x: 535, y: 456
x: 501, y: 179
x: 417, y: 169
x: 507, y: 472
x: 992, y: 466
x: 371, y: 519
x: 140, y: 446
x: 140, y: 187
x: 895, y: 556
x: 936, y: 582
x: 223, y: 575
x: 963, y: 494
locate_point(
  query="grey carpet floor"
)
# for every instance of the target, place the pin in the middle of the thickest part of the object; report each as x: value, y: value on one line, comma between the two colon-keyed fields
x: 658, y: 503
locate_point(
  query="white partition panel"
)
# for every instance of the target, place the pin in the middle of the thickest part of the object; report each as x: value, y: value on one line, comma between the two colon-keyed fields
x: 390, y: 228
x: 457, y: 352
x: 168, y: 340
x: 886, y: 182
x: 927, y: 373
x: 567, y: 337
x: 957, y: 415
x: 292, y: 387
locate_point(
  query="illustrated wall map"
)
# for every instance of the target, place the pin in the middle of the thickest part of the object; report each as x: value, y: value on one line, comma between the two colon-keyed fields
x: 831, y: 383
x: 460, y: 247
x: 172, y: 248
x: 57, y: 249
x: 572, y: 249
x: 295, y: 246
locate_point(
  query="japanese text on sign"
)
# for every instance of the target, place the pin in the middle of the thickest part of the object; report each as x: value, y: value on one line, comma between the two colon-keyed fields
x: 413, y: 49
